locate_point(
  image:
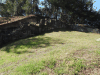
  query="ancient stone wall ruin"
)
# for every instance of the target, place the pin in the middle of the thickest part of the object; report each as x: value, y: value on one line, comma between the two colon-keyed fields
x: 33, y: 26
x: 85, y: 29
x: 26, y: 27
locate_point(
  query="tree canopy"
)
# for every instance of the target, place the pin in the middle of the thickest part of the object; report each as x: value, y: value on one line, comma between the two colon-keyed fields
x: 70, y: 11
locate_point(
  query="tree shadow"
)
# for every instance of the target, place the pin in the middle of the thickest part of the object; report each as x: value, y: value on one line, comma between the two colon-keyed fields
x: 29, y: 45
x: 20, y: 46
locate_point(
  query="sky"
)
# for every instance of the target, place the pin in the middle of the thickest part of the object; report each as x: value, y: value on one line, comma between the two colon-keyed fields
x: 96, y: 5
x: 41, y: 5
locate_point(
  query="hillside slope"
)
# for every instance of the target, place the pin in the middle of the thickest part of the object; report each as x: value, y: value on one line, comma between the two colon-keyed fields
x: 55, y: 53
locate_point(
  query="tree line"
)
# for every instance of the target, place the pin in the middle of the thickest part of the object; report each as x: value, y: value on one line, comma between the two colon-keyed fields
x: 69, y: 11
x: 19, y: 7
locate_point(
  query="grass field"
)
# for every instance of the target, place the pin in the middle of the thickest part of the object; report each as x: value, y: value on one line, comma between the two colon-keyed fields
x: 54, y: 53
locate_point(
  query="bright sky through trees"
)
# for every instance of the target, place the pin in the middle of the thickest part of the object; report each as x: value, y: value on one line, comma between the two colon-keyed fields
x: 41, y: 5
x: 96, y: 5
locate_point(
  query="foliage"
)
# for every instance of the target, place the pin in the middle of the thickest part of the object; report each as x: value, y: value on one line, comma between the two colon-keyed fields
x: 19, y: 7
x: 70, y: 11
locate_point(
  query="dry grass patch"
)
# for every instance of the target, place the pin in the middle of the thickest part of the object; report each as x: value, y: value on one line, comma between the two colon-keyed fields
x: 92, y: 61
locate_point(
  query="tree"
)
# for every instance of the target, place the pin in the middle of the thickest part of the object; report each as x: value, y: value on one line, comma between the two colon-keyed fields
x: 13, y: 7
x: 27, y: 7
x: 80, y: 8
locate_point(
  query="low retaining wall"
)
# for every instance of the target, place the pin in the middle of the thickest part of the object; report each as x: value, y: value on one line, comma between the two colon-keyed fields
x: 85, y: 29
x: 24, y: 29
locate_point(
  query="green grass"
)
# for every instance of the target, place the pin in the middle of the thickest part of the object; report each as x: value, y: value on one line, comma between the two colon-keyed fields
x: 54, y: 53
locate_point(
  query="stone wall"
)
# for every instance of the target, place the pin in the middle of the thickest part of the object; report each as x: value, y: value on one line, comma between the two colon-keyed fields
x: 34, y: 26
x: 85, y: 29
x: 19, y: 29
x: 26, y: 27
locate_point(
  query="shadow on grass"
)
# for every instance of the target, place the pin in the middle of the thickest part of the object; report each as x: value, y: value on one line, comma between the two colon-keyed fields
x: 23, y: 45
x: 29, y: 45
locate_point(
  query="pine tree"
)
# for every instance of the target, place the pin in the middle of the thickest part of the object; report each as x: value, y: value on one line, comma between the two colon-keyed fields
x: 27, y: 7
